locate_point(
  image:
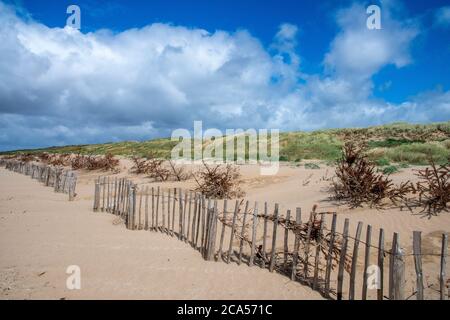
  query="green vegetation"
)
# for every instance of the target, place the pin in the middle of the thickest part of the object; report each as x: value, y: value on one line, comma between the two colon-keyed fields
x: 382, y: 162
x: 311, y: 166
x: 390, y: 169
x: 399, y: 143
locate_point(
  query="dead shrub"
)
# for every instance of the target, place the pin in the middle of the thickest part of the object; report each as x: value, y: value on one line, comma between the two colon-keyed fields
x: 78, y: 162
x: 178, y: 172
x: 219, y: 181
x: 91, y: 162
x: 156, y: 170
x: 140, y: 165
x: 433, y: 187
x: 59, y: 160
x: 26, y: 157
x: 106, y: 162
x: 357, y: 181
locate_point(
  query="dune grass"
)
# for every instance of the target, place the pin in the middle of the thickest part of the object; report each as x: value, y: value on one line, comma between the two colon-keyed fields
x: 401, y: 143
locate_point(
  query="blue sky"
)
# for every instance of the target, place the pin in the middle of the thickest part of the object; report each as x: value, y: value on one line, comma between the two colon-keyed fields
x: 148, y: 67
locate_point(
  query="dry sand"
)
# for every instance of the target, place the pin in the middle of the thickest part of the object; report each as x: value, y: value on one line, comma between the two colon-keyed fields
x: 41, y: 234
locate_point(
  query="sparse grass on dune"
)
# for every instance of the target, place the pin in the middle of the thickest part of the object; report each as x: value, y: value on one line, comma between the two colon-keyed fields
x: 392, y: 143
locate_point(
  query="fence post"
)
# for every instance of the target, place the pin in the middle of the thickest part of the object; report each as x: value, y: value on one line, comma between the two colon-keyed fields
x: 132, y: 207
x: 233, y: 227
x: 442, y: 274
x: 366, y: 261
x: 330, y: 255
x: 286, y: 237
x: 253, y: 248
x: 312, y: 218
x: 212, y: 233
x: 96, y: 196
x: 72, y: 185
x: 317, y: 257
x: 417, y: 248
x: 298, y: 222
x: 343, y: 254
x: 264, y: 256
x: 354, y: 262
x: 397, y: 272
x: 241, y: 245
x: 274, y: 239
x: 380, y: 291
x: 222, y: 234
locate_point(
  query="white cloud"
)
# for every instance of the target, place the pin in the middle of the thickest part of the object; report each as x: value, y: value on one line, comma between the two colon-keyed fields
x: 442, y: 16
x: 358, y: 53
x: 59, y: 86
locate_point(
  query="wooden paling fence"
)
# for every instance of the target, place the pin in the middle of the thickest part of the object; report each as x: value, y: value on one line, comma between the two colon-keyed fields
x: 63, y: 181
x: 306, y: 248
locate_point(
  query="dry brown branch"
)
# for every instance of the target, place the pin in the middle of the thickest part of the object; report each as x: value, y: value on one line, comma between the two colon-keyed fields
x: 219, y: 181
x: 178, y: 172
x: 357, y: 181
x: 434, y: 187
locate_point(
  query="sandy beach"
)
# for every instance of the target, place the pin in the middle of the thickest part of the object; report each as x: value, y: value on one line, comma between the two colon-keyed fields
x: 41, y: 234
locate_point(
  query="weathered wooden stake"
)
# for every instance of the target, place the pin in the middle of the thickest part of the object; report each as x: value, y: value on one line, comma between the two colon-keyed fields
x: 342, y: 257
x: 366, y: 261
x: 253, y: 248
x: 286, y: 237
x: 241, y: 244
x: 264, y: 256
x: 157, y: 209
x: 274, y: 240
x: 317, y: 256
x: 298, y: 222
x: 442, y: 274
x: 351, y: 295
x: 233, y: 227
x: 417, y: 245
x: 380, y: 291
x: 96, y: 196
x: 146, y: 208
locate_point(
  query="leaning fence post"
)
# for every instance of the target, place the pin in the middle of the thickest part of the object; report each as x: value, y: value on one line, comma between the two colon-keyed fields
x: 317, y: 257
x: 253, y: 248
x: 274, y: 239
x: 224, y: 221
x: 351, y: 295
x: 241, y: 245
x: 194, y: 219
x: 312, y: 218
x: 342, y: 260
x: 330, y: 255
x: 233, y: 226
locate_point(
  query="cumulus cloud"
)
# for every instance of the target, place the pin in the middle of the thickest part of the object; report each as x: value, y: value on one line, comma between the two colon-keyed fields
x: 358, y: 53
x: 59, y: 86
